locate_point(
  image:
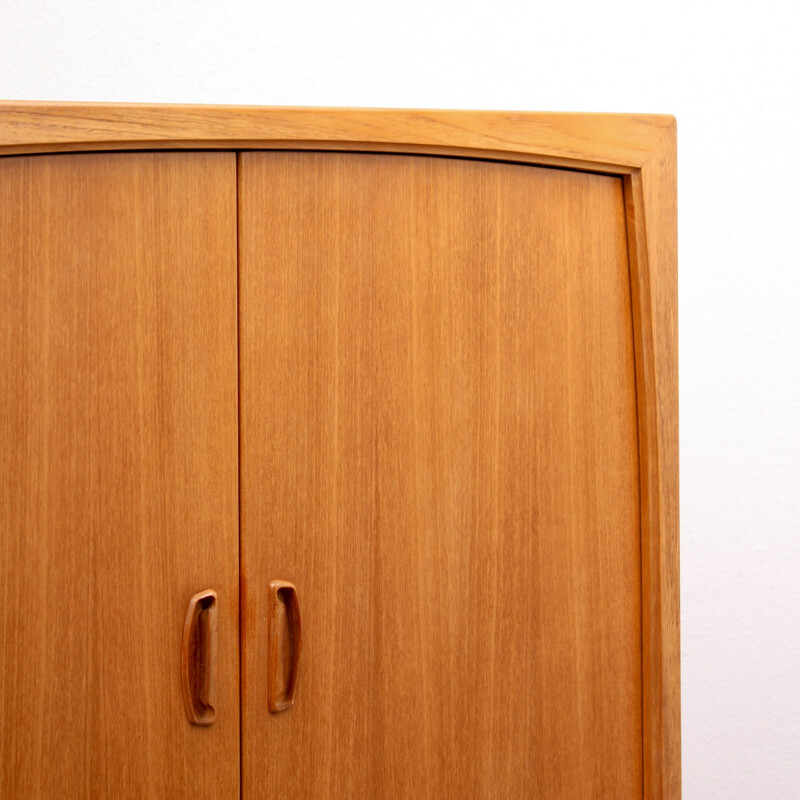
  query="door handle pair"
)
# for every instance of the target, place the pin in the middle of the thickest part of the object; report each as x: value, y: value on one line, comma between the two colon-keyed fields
x: 198, y: 652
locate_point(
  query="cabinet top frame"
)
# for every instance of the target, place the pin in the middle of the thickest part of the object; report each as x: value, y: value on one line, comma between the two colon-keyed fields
x: 612, y: 143
x: 640, y: 149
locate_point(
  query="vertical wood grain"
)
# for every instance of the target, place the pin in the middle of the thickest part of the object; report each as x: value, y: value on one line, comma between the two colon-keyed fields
x: 651, y: 195
x: 118, y: 476
x: 439, y: 449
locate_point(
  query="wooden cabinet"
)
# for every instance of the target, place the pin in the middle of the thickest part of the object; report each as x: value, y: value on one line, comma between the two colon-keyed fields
x: 398, y: 387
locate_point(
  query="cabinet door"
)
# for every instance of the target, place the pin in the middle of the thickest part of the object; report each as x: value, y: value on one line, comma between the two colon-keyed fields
x: 118, y: 476
x: 439, y: 450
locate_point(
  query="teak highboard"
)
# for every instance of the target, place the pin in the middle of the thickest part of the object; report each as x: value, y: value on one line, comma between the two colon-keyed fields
x: 340, y: 453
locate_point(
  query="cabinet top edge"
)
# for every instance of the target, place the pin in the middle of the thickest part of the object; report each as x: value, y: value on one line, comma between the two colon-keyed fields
x: 613, y: 142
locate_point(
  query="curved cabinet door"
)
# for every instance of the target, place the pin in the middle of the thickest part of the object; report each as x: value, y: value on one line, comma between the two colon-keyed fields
x: 439, y: 452
x: 118, y: 475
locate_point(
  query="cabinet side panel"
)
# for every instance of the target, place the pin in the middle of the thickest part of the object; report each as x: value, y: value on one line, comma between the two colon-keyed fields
x: 659, y: 220
x: 119, y: 476
x: 439, y: 449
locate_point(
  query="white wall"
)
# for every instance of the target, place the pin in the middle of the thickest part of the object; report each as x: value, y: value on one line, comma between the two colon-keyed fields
x: 733, y: 80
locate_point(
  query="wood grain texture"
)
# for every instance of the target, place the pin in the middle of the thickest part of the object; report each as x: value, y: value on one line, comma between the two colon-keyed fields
x: 651, y: 195
x: 118, y: 481
x: 613, y: 142
x: 439, y: 448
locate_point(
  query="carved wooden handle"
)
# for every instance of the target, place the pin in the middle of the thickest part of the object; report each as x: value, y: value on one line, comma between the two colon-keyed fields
x: 198, y: 654
x: 285, y: 640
